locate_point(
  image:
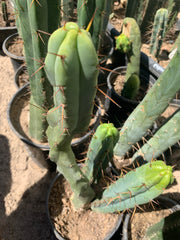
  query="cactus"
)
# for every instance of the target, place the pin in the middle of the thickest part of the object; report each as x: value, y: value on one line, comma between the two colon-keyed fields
x: 159, y: 30
x: 154, y: 103
x: 71, y: 53
x: 34, y: 17
x: 136, y: 187
x: 156, y: 145
x: 136, y: 10
x: 101, y: 9
x: 100, y: 151
x: 4, y: 12
x: 167, y: 228
x: 130, y: 42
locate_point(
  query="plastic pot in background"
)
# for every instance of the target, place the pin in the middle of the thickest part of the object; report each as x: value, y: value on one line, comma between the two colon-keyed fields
x: 21, y: 77
x: 114, y: 234
x: 16, y: 61
x: 39, y: 152
x: 163, y: 202
x: 117, y: 107
x: 5, y: 32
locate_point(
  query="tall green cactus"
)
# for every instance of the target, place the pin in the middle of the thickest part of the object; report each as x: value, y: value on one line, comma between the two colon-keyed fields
x: 35, y: 17
x: 159, y: 31
x: 129, y: 41
x: 154, y: 103
x: 100, y: 9
x: 71, y: 53
x: 71, y: 65
x: 4, y: 12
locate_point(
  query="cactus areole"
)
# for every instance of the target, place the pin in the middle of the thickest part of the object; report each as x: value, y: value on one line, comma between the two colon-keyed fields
x: 71, y: 67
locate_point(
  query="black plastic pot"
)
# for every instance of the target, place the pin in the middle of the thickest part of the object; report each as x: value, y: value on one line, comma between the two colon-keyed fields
x: 117, y: 107
x: 5, y: 32
x: 164, y: 202
x: 38, y: 152
x: 115, y: 234
x: 16, y: 61
x: 22, y: 69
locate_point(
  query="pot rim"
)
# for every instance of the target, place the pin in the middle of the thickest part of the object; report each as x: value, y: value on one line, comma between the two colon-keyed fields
x: 56, y: 233
x: 41, y: 146
x: 5, y: 50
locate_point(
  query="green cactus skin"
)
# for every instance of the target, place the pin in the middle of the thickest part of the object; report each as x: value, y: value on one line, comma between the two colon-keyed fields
x: 136, y: 187
x: 131, y: 43
x: 72, y: 71
x: 123, y: 43
x: 4, y: 10
x: 167, y: 228
x: 154, y: 104
x: 32, y: 17
x: 131, y: 87
x: 100, y: 151
x: 136, y: 9
x: 166, y: 136
x: 85, y: 9
x: 158, y: 32
x: 101, y: 18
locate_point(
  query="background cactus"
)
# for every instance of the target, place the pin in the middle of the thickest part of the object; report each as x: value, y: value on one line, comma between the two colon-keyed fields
x: 167, y: 228
x: 34, y: 18
x: 154, y: 103
x: 4, y: 12
x: 159, y: 30
x: 73, y: 100
x: 130, y: 42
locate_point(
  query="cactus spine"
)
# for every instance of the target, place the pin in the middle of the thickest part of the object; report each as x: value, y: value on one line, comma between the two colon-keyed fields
x: 159, y: 30
x: 136, y: 187
x: 165, y: 137
x: 100, y: 151
x: 33, y: 17
x: 154, y: 103
x: 130, y: 39
x: 73, y: 101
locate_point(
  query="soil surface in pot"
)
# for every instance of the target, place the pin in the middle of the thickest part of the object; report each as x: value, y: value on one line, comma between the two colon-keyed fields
x: 15, y: 46
x: 11, y: 15
x: 145, y: 218
x: 23, y: 78
x: 73, y: 224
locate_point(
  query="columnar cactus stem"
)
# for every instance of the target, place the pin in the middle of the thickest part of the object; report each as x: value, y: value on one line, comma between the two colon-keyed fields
x: 158, y: 32
x: 71, y: 66
x: 34, y: 17
x: 165, y: 137
x: 154, y: 103
x: 131, y: 38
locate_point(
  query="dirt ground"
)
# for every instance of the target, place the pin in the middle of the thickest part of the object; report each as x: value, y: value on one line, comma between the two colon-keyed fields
x: 23, y: 185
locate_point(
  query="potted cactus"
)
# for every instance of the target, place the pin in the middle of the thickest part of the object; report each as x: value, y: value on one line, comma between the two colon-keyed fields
x: 42, y: 18
x: 73, y: 100
x: 7, y: 21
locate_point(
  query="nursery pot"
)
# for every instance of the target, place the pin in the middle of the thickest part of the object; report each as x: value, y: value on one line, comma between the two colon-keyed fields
x: 163, y: 202
x: 38, y: 151
x: 113, y: 233
x: 117, y: 107
x: 5, y: 32
x: 21, y: 76
x: 16, y: 61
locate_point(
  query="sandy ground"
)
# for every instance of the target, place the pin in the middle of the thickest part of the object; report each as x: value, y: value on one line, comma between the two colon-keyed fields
x: 23, y: 185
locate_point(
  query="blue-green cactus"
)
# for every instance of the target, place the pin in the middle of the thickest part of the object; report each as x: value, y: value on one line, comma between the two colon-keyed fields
x: 136, y: 187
